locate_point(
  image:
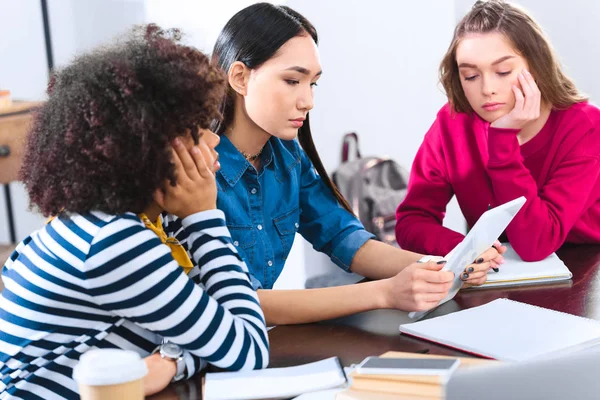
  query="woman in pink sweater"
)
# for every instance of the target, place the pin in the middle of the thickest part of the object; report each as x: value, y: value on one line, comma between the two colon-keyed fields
x: 514, y: 125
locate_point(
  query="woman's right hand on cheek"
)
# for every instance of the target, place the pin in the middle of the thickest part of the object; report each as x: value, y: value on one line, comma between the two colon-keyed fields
x: 195, y: 189
x: 527, y: 104
x: 418, y: 287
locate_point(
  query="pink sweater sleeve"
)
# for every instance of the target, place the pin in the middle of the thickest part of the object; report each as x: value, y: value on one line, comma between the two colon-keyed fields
x: 419, y: 217
x: 550, y: 212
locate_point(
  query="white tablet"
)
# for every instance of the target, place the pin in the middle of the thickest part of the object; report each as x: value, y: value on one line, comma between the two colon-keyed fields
x: 481, y: 237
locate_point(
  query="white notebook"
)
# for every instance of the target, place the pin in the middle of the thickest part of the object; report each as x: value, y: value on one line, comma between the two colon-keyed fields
x: 508, y: 330
x: 515, y: 271
x: 275, y: 383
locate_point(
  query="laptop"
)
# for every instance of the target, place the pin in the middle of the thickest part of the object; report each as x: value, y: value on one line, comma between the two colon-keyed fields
x: 571, y: 377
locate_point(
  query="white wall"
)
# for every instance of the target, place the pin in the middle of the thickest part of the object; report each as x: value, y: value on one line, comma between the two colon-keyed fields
x: 200, y: 20
x: 23, y: 61
x: 78, y: 26
x: 75, y: 27
x: 379, y: 79
x: 23, y: 70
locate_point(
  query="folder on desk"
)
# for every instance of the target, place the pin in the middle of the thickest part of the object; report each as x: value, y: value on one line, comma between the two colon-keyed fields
x: 509, y: 330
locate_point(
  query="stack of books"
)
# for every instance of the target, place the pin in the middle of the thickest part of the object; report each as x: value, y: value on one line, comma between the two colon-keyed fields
x: 387, y: 387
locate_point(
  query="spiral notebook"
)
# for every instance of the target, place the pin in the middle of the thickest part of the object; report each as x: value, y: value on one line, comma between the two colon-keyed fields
x: 515, y: 271
x: 509, y: 330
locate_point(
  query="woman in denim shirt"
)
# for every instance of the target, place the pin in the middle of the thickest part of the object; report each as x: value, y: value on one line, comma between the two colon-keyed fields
x: 269, y: 189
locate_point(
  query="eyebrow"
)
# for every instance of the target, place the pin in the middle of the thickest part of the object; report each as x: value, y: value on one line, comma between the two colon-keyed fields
x: 303, y: 70
x: 498, y: 61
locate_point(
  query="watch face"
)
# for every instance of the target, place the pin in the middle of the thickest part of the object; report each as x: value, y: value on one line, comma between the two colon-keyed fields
x: 171, y: 350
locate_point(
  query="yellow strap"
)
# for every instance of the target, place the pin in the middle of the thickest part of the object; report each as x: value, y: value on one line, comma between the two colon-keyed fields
x: 177, y: 250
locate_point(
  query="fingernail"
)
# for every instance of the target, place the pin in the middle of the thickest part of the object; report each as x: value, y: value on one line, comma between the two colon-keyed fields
x: 479, y: 261
x: 195, y: 150
x: 526, y: 72
x: 177, y: 142
x: 471, y: 269
x: 441, y: 262
x: 496, y: 269
x: 464, y: 276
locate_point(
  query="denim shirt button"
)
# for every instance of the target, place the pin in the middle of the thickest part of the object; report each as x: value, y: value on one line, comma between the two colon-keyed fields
x: 253, y: 191
x: 270, y: 263
x: 259, y: 227
x: 297, y: 225
x: 236, y: 243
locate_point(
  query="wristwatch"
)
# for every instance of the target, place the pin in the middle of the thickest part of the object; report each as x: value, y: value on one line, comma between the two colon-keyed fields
x: 174, y: 352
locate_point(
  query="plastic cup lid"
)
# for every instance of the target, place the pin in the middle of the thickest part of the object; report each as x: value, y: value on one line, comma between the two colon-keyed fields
x: 102, y: 367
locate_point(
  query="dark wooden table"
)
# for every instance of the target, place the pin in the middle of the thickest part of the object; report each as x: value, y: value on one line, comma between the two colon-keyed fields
x: 375, y: 332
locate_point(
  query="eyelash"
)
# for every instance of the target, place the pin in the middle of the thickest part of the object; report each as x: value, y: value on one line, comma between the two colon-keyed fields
x: 293, y: 82
x: 470, y: 78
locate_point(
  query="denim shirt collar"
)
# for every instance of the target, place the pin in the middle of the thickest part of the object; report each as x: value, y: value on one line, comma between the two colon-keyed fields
x: 233, y: 164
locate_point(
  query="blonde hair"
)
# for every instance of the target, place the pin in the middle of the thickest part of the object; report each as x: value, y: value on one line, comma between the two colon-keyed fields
x: 529, y: 41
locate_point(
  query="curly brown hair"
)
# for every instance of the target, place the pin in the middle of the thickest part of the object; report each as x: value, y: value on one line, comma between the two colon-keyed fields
x: 101, y: 141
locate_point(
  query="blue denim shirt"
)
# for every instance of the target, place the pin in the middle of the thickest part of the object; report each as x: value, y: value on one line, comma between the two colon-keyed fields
x: 264, y: 209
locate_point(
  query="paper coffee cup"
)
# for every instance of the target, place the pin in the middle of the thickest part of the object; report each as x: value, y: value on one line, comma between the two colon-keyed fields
x: 110, y: 374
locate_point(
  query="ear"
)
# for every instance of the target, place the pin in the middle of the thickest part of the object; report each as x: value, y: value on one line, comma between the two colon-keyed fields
x: 159, y: 197
x: 238, y: 77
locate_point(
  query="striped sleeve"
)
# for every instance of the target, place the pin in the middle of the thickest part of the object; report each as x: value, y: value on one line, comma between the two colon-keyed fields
x: 132, y: 274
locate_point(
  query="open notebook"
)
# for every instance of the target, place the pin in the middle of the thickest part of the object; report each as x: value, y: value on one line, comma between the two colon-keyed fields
x: 508, y: 330
x: 275, y: 383
x: 515, y: 271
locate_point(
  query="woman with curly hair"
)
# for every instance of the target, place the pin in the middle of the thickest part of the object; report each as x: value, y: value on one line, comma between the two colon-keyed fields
x: 123, y: 138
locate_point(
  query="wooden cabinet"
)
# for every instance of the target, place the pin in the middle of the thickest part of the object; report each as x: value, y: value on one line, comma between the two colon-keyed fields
x: 15, y: 121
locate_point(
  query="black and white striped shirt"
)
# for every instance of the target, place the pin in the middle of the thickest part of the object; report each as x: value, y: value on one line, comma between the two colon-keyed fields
x: 104, y: 281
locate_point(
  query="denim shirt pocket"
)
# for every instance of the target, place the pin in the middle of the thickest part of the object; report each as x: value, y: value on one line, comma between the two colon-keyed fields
x: 244, y: 240
x: 287, y: 225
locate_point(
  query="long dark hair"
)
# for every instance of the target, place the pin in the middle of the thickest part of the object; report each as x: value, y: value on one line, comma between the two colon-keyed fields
x: 253, y: 36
